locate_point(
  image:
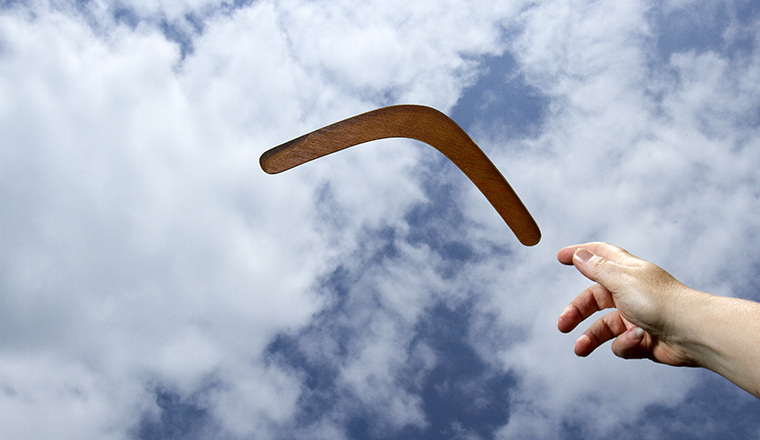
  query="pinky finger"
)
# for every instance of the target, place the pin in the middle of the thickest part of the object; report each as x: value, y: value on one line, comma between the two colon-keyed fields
x: 628, y: 345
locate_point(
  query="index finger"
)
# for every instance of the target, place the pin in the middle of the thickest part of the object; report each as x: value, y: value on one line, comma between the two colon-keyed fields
x: 590, y: 301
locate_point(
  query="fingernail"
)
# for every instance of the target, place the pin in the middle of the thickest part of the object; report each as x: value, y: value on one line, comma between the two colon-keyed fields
x: 637, y: 333
x: 583, y: 255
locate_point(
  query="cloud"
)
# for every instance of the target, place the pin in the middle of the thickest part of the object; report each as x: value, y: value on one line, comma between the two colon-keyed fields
x: 156, y: 284
x: 129, y: 251
x: 631, y: 146
x: 144, y: 250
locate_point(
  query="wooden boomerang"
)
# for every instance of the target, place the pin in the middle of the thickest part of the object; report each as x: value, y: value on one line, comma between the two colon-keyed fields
x: 421, y: 123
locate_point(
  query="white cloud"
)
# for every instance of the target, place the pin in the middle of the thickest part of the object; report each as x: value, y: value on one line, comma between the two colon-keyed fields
x: 659, y: 159
x: 143, y: 249
x: 137, y: 246
x: 143, y: 246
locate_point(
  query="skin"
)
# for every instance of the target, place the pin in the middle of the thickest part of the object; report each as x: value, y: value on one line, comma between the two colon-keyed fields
x: 657, y: 317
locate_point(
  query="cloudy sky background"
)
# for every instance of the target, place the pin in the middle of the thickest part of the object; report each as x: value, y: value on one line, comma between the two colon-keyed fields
x: 156, y: 284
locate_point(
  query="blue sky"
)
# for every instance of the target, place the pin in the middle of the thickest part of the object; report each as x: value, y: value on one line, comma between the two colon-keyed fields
x: 156, y: 284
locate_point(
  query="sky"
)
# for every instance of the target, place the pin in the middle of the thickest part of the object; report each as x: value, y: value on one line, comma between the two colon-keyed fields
x: 156, y: 284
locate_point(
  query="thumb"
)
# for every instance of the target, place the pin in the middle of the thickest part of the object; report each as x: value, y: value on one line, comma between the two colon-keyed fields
x: 598, y: 269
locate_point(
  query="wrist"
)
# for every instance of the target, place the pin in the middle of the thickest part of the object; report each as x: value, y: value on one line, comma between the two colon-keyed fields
x: 721, y: 335
x: 693, y: 319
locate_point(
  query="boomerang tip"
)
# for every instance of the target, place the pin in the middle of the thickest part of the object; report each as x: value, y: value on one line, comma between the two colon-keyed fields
x: 265, y: 162
x: 279, y: 159
x: 530, y: 239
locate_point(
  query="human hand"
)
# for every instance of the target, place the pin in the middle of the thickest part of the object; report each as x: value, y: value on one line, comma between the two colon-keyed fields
x: 649, y: 303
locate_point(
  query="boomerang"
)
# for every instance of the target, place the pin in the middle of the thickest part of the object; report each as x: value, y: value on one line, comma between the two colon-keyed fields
x: 423, y: 124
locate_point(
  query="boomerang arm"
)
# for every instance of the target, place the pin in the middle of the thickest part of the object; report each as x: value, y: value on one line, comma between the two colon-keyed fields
x: 421, y: 123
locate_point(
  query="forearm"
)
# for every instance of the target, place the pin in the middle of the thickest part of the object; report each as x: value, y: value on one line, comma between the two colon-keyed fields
x: 724, y: 336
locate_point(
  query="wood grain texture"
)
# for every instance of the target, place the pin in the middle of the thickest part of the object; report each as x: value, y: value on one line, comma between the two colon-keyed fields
x: 426, y: 125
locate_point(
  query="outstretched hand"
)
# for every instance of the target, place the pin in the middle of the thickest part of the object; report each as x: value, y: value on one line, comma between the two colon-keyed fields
x: 646, y: 299
x: 658, y: 318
